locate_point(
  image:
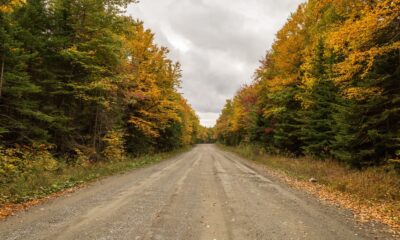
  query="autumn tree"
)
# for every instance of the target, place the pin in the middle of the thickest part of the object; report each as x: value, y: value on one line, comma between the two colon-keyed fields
x: 86, y: 81
x: 318, y: 97
x: 369, y: 45
x: 328, y: 87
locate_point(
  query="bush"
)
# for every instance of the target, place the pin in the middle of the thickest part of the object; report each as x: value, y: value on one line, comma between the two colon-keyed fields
x: 24, y: 160
x: 114, y: 149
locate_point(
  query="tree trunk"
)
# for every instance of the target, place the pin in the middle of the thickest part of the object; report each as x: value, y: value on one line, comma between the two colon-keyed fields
x: 3, y: 59
x: 96, y: 121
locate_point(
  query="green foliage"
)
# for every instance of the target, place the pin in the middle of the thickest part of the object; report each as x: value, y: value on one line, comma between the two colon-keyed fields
x: 82, y: 77
x: 316, y: 117
x: 286, y: 139
x: 75, y: 71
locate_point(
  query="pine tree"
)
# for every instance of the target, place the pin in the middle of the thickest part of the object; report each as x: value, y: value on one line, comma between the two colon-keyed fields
x: 316, y: 118
x: 286, y: 138
x: 21, y: 117
x: 367, y: 129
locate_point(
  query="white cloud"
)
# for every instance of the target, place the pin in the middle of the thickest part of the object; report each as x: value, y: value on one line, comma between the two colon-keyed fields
x: 218, y: 42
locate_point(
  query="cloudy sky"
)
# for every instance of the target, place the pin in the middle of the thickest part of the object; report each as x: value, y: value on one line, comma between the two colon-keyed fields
x: 218, y: 42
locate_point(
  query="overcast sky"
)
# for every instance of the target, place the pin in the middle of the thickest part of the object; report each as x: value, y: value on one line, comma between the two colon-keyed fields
x: 218, y: 42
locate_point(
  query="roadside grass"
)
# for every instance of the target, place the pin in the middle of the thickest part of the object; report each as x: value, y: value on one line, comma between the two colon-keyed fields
x: 373, y: 193
x: 41, y: 184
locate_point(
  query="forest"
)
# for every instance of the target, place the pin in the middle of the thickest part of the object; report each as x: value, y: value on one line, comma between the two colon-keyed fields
x: 329, y: 87
x: 81, y: 82
x: 86, y: 92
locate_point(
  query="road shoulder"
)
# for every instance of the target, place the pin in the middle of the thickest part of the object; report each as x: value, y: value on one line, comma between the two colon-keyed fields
x: 328, y: 200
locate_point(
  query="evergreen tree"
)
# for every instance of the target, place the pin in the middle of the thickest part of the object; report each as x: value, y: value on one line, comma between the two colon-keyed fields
x: 367, y: 128
x: 85, y: 78
x: 21, y: 117
x: 316, y: 117
x: 285, y: 135
x: 328, y: 87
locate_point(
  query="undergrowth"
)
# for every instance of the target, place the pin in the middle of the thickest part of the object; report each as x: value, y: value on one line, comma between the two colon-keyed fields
x: 36, y: 183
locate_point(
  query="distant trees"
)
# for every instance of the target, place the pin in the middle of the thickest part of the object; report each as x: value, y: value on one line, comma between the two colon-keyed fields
x: 329, y: 87
x: 205, y: 135
x: 82, y: 78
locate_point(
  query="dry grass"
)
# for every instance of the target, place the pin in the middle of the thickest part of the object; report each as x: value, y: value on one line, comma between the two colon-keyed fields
x: 373, y: 193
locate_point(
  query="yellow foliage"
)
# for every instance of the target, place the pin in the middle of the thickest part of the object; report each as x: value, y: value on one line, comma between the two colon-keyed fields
x: 361, y: 93
x: 360, y: 63
x: 272, y: 111
x: 147, y: 127
x: 357, y: 34
x: 150, y: 80
x: 308, y: 80
x: 238, y: 114
x: 286, y: 55
x: 356, y: 39
x: 190, y: 123
x: 10, y: 5
x: 20, y: 160
x: 82, y: 158
x: 114, y: 149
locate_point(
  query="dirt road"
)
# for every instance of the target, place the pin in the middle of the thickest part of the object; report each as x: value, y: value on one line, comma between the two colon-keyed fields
x: 202, y: 194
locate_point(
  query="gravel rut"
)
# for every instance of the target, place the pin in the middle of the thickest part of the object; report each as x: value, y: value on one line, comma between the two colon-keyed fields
x: 202, y: 194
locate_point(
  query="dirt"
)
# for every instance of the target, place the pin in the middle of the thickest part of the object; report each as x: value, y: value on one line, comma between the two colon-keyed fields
x: 202, y: 194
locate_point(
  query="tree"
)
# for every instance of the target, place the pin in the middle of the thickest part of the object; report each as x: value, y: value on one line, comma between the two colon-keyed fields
x: 328, y: 87
x: 86, y: 79
x: 316, y: 121
x: 369, y: 46
x: 21, y: 117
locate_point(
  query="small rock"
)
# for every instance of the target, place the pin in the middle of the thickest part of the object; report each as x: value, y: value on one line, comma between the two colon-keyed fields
x: 312, y: 180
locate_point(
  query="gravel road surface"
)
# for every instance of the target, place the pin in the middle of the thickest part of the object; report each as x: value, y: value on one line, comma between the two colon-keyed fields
x: 202, y: 194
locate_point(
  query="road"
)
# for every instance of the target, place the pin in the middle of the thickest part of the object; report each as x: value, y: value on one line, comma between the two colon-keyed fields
x: 205, y: 193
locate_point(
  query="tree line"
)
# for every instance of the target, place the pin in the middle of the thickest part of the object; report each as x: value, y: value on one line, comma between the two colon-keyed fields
x: 81, y: 78
x: 328, y: 88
